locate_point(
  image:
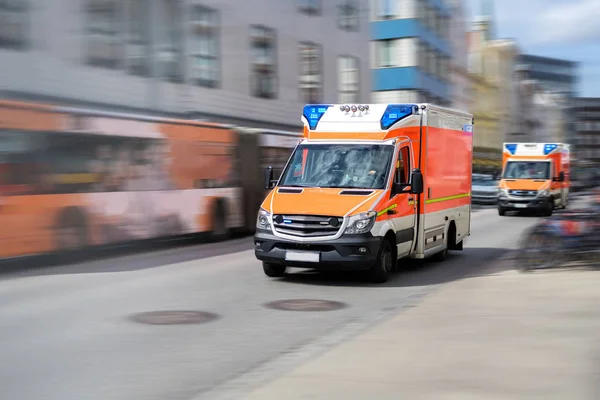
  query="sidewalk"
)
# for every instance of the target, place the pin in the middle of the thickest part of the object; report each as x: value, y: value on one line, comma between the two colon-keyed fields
x: 501, y: 336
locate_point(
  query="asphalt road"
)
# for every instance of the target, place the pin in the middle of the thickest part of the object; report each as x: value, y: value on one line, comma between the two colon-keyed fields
x: 66, y: 332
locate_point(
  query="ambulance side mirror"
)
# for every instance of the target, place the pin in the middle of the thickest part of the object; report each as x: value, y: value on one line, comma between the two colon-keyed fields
x: 416, y: 181
x: 269, y: 183
x: 560, y: 177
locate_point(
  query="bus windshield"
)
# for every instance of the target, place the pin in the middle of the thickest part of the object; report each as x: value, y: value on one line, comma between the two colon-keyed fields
x: 358, y: 166
x: 527, y: 170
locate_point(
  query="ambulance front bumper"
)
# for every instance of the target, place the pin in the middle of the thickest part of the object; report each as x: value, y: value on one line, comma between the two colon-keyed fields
x: 536, y: 203
x: 349, y: 252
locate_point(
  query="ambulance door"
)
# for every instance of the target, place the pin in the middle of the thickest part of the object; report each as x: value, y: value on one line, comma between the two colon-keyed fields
x: 404, y: 211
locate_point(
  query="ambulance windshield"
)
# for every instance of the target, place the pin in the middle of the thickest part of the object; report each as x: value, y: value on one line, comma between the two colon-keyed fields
x: 527, y: 170
x: 362, y: 166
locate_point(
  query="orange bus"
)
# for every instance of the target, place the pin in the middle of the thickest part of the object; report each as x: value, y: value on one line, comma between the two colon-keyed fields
x: 72, y: 178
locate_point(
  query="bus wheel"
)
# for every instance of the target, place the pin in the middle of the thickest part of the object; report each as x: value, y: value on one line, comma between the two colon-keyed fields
x: 381, y: 270
x: 274, y: 270
x: 71, y: 230
x: 219, y: 229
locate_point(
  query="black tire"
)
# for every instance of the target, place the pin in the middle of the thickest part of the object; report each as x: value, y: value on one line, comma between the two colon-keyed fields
x: 274, y: 270
x: 71, y: 230
x: 381, y: 270
x: 549, y: 209
x: 219, y: 231
x: 501, y: 211
x: 441, y: 256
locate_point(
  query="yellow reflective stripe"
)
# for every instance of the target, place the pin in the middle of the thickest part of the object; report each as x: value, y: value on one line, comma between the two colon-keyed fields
x: 387, y: 209
x: 440, y: 199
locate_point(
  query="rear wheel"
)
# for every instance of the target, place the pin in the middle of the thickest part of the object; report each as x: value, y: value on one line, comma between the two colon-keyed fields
x: 274, y: 270
x: 219, y: 232
x: 381, y: 270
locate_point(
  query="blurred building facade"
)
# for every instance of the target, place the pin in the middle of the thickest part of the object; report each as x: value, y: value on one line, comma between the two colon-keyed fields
x: 462, y: 85
x: 553, y: 75
x: 254, y: 62
x: 487, y: 141
x: 410, y: 51
x: 587, y: 139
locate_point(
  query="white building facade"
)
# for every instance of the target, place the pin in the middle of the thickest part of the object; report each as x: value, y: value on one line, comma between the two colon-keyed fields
x: 255, y: 61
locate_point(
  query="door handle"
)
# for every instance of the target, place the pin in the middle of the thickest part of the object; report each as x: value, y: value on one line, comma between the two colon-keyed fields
x: 410, y: 199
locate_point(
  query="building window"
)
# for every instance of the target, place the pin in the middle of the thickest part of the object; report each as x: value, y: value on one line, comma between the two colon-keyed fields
x: 385, y: 9
x: 103, y: 41
x: 384, y: 53
x: 170, y: 46
x: 349, y: 76
x: 138, y: 38
x: 13, y: 24
x: 310, y: 7
x: 311, y: 75
x: 205, y: 47
x: 264, y: 62
x: 348, y: 15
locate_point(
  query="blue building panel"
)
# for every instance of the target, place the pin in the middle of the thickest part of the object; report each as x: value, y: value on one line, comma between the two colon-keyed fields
x: 408, y: 78
x: 402, y: 78
x: 408, y: 27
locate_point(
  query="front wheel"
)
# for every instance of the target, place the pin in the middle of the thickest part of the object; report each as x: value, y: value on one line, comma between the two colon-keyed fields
x: 274, y: 270
x: 381, y: 270
x: 501, y: 211
x: 549, y: 209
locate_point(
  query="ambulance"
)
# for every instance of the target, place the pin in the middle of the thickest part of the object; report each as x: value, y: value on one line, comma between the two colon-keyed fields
x: 535, y: 177
x: 368, y: 185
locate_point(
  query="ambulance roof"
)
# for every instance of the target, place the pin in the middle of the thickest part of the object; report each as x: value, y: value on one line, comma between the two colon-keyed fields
x: 533, y: 149
x: 355, y: 118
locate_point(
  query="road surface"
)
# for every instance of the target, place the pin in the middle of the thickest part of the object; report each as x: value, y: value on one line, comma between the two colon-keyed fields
x: 67, y: 333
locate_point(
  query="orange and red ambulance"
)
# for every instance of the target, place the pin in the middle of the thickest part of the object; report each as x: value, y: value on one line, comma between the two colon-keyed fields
x: 535, y: 177
x: 368, y: 185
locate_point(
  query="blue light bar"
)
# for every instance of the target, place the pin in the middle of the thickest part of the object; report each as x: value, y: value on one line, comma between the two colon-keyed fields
x: 549, y: 148
x: 395, y: 112
x: 313, y: 113
x: 512, y: 148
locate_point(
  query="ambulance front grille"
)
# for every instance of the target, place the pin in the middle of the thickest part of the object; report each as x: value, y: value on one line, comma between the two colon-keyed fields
x: 307, y: 225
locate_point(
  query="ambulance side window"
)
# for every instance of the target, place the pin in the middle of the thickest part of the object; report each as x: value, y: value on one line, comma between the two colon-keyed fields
x: 402, y: 166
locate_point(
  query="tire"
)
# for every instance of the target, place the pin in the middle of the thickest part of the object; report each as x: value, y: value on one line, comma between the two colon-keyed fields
x: 219, y: 230
x: 501, y: 211
x: 441, y: 256
x: 381, y: 270
x: 71, y: 230
x: 549, y: 209
x: 274, y: 270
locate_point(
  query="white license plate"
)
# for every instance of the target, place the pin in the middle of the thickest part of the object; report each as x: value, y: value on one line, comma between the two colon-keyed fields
x: 302, y: 256
x: 520, y: 205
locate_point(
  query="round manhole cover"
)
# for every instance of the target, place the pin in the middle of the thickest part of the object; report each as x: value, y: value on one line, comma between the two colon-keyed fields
x: 174, y: 317
x: 306, y: 305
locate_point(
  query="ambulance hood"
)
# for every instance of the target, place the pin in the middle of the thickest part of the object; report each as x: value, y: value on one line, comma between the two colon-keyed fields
x: 320, y: 201
x: 525, y: 184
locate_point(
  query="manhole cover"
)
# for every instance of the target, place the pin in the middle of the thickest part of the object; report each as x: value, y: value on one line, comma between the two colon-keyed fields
x: 174, y: 317
x: 306, y: 305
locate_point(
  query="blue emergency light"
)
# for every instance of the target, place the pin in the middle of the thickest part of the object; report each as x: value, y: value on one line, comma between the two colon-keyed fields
x: 549, y: 148
x: 395, y: 112
x: 313, y: 113
x: 512, y: 148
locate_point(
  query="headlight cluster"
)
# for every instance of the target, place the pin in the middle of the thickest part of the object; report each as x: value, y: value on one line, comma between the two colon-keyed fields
x: 361, y: 223
x: 503, y: 193
x: 263, y: 221
x: 543, y: 193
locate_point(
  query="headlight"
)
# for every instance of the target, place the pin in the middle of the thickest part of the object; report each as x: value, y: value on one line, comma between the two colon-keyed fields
x: 502, y: 192
x: 543, y: 193
x: 263, y: 221
x: 361, y: 223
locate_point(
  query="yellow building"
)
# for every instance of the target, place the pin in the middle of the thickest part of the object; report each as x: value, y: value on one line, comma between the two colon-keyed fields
x: 487, y: 139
